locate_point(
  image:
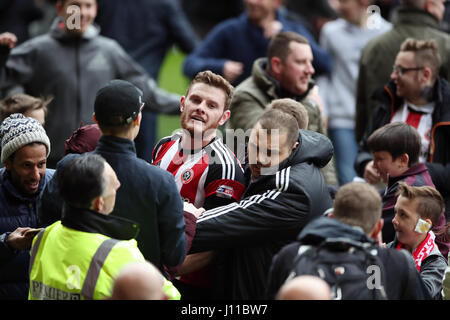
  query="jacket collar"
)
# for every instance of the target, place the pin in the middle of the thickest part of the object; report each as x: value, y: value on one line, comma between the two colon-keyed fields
x: 116, y: 145
x: 441, y: 94
x: 93, y: 222
x: 414, y: 170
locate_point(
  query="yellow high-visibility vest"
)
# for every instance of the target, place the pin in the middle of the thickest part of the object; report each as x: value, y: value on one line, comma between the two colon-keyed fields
x: 68, y: 264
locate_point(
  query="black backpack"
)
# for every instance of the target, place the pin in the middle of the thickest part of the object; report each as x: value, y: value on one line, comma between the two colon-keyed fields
x: 351, y: 268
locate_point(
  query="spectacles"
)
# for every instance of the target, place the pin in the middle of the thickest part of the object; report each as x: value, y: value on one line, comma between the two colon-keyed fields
x: 142, y: 106
x: 400, y: 70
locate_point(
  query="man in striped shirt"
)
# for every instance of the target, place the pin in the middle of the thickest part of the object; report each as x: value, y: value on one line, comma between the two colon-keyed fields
x: 206, y: 172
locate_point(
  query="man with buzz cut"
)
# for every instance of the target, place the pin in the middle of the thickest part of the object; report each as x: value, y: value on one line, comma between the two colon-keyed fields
x: 206, y: 172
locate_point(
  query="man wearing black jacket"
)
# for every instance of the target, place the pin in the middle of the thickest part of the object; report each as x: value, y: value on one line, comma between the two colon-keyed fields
x: 285, y: 191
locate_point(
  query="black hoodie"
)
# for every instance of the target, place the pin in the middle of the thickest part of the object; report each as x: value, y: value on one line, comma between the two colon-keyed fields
x: 272, y: 212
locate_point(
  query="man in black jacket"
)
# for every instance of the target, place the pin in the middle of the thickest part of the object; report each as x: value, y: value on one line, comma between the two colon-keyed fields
x: 418, y: 96
x: 357, y: 217
x: 148, y: 195
x: 285, y: 191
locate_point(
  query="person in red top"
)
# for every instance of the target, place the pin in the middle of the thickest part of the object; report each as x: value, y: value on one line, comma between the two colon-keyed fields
x: 206, y: 171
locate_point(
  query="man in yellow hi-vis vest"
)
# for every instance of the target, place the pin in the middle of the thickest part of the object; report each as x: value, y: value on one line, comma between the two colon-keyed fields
x: 80, y: 256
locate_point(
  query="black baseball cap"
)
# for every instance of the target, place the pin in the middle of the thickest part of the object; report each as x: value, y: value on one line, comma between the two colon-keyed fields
x: 117, y: 103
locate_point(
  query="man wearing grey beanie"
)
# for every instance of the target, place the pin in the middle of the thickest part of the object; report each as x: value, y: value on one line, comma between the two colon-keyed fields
x: 25, y: 148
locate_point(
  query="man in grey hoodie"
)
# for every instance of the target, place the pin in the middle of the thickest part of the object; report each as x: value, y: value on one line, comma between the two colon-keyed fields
x: 71, y: 62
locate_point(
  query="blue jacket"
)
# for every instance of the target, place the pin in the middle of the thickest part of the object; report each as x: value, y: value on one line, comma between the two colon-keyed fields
x: 238, y: 39
x: 147, y: 195
x: 16, y: 210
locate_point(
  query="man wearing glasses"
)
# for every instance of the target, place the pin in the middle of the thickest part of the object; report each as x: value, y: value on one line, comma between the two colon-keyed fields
x: 419, y: 19
x: 418, y: 96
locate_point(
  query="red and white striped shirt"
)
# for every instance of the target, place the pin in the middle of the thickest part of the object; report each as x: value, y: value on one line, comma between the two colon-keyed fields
x: 211, y: 171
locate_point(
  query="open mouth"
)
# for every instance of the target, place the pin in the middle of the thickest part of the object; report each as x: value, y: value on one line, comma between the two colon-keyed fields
x: 32, y: 185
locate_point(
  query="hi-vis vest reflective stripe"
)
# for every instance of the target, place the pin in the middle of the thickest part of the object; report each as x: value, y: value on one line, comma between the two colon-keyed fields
x: 40, y: 291
x: 58, y: 267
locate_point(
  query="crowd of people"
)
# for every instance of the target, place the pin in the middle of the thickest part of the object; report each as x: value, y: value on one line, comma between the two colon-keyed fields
x: 312, y: 160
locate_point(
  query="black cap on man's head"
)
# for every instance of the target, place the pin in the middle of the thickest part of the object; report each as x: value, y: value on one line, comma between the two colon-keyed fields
x: 117, y: 103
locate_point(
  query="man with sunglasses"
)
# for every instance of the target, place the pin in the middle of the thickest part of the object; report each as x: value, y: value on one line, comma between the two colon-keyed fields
x: 418, y: 96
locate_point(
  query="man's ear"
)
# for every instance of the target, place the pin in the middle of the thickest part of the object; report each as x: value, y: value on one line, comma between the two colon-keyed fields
x: 404, y: 159
x: 427, y: 74
x: 97, y: 204
x: 275, y: 65
x: 377, y: 229
x: 8, y: 164
x: 94, y: 118
x: 430, y: 222
x: 138, y: 119
x: 225, y: 116
x: 183, y: 98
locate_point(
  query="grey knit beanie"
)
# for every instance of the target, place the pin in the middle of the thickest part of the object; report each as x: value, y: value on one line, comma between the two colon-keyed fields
x: 17, y: 131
